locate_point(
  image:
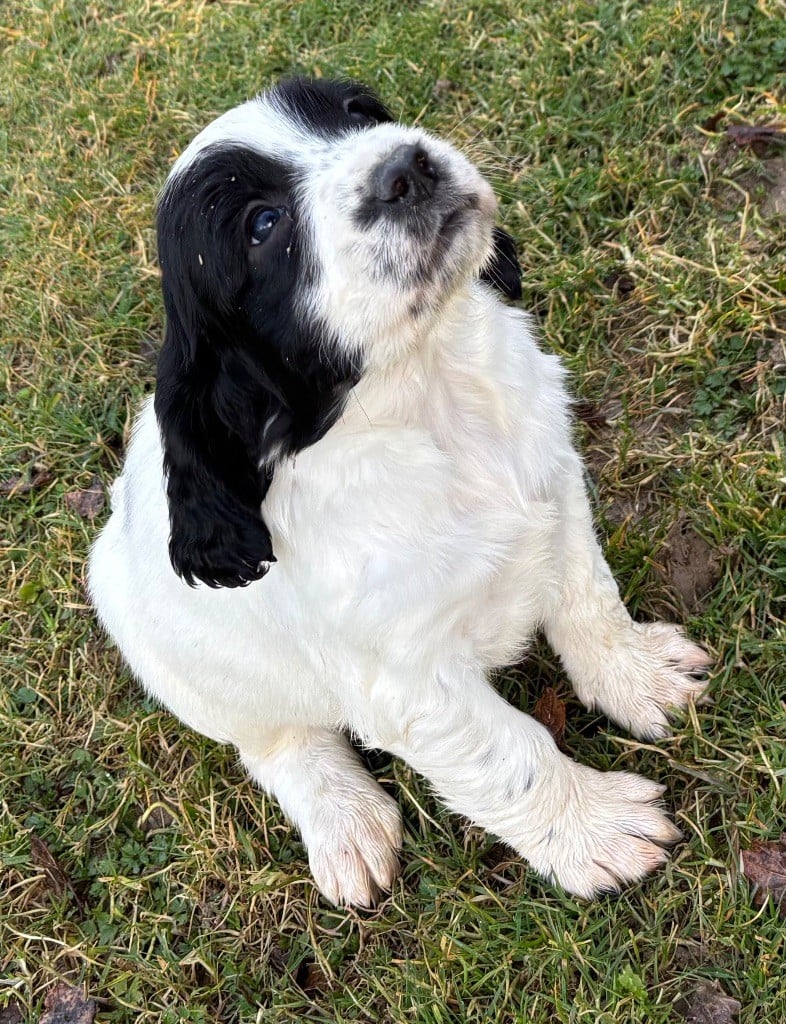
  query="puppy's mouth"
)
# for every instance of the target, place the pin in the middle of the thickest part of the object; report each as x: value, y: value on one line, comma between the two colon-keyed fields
x: 463, y: 209
x: 456, y: 218
x: 463, y: 214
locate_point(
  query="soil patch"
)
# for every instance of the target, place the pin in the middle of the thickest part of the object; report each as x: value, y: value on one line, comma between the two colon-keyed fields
x: 689, y: 565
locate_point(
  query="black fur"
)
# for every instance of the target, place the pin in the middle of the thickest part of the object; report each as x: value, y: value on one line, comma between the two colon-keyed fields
x: 503, y: 270
x: 328, y: 107
x: 241, y: 381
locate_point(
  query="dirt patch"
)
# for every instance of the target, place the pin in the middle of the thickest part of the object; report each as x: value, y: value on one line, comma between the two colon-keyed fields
x: 631, y: 510
x: 764, y: 186
x: 157, y: 818
x: 708, y: 1004
x: 66, y: 1004
x: 617, y: 450
x: 774, y: 203
x: 688, y: 565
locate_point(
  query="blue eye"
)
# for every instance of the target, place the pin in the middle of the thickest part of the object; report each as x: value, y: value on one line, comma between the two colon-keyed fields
x: 263, y: 223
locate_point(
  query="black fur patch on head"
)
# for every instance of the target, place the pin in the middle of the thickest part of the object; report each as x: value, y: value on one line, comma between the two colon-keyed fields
x: 329, y: 107
x: 242, y: 380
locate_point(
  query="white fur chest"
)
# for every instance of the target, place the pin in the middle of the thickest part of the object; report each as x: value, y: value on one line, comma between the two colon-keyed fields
x: 439, y: 501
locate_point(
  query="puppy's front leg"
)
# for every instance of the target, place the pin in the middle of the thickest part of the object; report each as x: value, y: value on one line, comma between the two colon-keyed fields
x: 587, y: 830
x: 634, y: 672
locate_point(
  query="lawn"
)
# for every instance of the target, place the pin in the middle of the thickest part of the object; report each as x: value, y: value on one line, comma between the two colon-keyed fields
x: 137, y: 862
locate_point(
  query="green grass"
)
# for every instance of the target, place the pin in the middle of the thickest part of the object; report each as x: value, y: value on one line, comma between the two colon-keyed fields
x: 656, y: 267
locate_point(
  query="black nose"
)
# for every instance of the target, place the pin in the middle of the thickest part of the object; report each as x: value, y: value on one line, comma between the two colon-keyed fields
x: 407, y: 175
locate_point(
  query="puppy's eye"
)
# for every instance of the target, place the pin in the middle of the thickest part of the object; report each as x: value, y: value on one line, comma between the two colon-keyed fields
x: 263, y: 222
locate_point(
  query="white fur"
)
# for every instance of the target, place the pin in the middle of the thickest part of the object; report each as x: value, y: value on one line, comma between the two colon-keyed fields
x: 421, y: 543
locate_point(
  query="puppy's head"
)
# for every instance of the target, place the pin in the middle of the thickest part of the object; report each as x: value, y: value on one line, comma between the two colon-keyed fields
x: 304, y: 238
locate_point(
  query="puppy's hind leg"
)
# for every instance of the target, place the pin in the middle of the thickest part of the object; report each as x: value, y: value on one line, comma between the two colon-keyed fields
x: 634, y: 672
x: 349, y: 825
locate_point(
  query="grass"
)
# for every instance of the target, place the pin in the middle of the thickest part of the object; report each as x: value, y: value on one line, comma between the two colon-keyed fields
x: 655, y: 265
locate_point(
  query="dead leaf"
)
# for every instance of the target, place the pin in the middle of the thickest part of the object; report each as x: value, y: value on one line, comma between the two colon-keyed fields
x: 34, y: 478
x: 764, y: 865
x: 550, y: 711
x: 58, y: 880
x: 87, y: 503
x: 591, y: 414
x: 690, y: 565
x: 41, y: 855
x: 758, y: 137
x: 708, y: 1004
x: 712, y: 122
x: 65, y: 1004
x: 11, y: 1014
x: 311, y: 979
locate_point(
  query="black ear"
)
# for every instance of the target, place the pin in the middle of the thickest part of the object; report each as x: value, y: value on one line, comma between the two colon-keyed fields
x: 215, y: 483
x: 363, y: 107
x: 503, y: 270
x: 244, y: 380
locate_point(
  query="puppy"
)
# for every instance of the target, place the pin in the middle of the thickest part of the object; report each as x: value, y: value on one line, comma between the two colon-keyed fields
x: 355, y: 495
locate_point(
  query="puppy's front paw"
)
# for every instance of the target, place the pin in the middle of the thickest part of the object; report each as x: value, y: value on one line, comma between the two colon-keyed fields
x: 663, y: 672
x: 610, y: 831
x: 353, y: 848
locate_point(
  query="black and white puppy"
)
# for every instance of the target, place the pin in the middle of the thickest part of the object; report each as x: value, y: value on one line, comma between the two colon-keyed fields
x: 348, y: 419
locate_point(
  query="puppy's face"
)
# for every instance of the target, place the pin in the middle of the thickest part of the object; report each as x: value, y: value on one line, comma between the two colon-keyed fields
x: 304, y: 239
x: 396, y: 221
x: 310, y: 202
